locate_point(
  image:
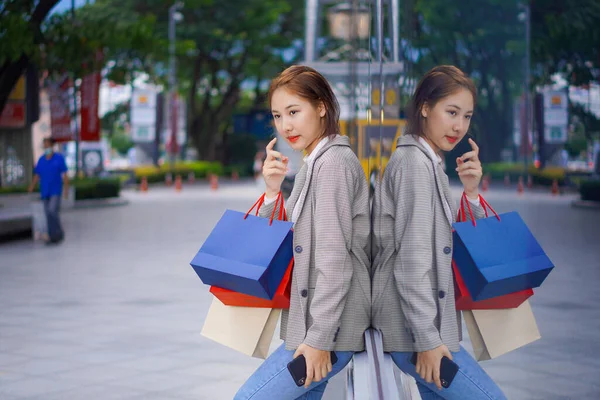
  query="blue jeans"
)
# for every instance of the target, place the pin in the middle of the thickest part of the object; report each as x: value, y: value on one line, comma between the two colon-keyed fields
x: 471, y: 382
x: 52, y: 210
x: 272, y: 379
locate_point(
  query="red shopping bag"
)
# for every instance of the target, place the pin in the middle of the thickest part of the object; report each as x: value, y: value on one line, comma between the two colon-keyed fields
x: 464, y: 301
x: 280, y: 300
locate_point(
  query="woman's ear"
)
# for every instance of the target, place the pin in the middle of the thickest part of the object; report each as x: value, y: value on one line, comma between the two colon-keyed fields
x: 425, y: 110
x: 322, y: 109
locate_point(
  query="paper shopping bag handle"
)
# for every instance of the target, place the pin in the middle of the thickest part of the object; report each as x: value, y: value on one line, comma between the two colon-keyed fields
x: 258, y: 203
x: 462, y: 216
x: 282, y: 216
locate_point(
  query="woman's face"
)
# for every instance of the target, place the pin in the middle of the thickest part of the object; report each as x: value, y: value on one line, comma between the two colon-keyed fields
x: 297, y: 120
x: 448, y: 121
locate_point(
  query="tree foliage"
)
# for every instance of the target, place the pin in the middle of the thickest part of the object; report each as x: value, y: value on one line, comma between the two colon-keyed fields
x: 566, y: 40
x: 20, y: 39
x: 483, y: 38
x: 236, y: 42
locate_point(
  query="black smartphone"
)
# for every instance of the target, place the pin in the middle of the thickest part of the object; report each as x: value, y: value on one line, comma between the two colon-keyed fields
x: 448, y: 370
x: 297, y: 368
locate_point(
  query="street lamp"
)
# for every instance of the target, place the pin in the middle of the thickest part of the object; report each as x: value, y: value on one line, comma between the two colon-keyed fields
x: 347, y: 22
x: 174, y: 17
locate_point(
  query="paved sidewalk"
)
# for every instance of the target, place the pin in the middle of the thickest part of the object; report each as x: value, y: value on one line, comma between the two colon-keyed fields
x: 115, y: 312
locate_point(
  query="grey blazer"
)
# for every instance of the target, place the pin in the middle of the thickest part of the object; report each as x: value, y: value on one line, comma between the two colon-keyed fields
x: 413, y: 287
x: 330, y: 301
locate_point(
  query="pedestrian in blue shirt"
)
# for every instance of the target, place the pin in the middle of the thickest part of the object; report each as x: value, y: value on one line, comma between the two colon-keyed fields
x: 51, y: 172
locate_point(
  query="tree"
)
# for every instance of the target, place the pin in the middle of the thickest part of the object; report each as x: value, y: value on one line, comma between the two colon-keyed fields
x: 67, y: 43
x: 483, y: 38
x: 236, y: 41
x: 566, y: 40
x: 582, y: 116
x: 115, y: 118
x: 20, y: 38
x: 220, y: 46
x: 125, y: 39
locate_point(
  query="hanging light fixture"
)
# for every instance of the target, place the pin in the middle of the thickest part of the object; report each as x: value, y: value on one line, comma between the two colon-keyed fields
x: 347, y: 22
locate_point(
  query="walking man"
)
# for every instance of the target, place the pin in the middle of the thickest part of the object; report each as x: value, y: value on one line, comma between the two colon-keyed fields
x: 51, y: 172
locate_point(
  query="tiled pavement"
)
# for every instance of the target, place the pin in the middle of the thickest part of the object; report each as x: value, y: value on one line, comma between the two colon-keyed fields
x: 115, y: 312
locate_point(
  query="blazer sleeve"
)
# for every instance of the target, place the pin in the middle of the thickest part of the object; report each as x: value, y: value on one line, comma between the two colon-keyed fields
x: 414, y: 193
x: 333, y: 214
x: 476, y: 209
x: 266, y: 209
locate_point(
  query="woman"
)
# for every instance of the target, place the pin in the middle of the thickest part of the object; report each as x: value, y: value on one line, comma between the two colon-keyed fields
x: 413, y: 288
x: 329, y: 205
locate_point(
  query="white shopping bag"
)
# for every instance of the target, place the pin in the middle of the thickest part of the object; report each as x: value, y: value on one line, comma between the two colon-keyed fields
x: 497, y: 332
x: 248, y: 330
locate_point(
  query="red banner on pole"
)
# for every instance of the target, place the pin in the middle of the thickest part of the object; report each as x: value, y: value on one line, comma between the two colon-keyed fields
x: 90, y: 123
x: 13, y: 115
x: 60, y: 110
x: 172, y: 145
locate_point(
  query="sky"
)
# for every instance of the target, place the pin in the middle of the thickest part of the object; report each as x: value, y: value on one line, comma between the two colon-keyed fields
x: 64, y: 5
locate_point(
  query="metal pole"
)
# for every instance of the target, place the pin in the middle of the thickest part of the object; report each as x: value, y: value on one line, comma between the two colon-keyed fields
x: 395, y: 30
x: 311, y: 22
x: 527, y: 84
x: 379, y: 11
x: 76, y: 133
x: 171, y: 96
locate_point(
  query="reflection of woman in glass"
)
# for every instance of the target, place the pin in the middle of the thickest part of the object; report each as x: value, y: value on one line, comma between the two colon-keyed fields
x: 413, y: 288
x: 330, y: 300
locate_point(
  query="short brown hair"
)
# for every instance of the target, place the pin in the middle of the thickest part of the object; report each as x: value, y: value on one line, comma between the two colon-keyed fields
x: 440, y: 82
x: 310, y: 85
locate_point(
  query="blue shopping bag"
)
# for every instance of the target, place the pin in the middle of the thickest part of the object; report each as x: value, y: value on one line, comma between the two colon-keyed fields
x: 498, y: 255
x: 246, y: 253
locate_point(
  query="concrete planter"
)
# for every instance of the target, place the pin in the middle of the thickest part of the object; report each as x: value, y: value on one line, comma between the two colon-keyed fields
x: 15, y: 213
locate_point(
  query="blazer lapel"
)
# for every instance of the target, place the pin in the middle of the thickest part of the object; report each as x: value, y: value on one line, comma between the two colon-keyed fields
x: 308, y: 173
x: 443, y: 185
x: 299, y: 182
x: 303, y: 182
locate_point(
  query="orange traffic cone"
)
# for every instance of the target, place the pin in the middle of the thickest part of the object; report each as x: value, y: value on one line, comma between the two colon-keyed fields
x: 144, y: 184
x: 178, y: 183
x: 485, y: 184
x: 191, y: 177
x: 529, y: 182
x: 555, y: 190
x: 506, y: 180
x: 520, y: 187
x: 234, y: 175
x: 169, y: 179
x: 214, y: 182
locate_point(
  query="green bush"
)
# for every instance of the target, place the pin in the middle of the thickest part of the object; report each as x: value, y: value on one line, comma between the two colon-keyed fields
x: 243, y: 170
x: 90, y: 188
x: 590, y: 190
x: 201, y: 169
x: 85, y: 188
x: 544, y: 177
x: 497, y: 171
x: 14, y: 190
